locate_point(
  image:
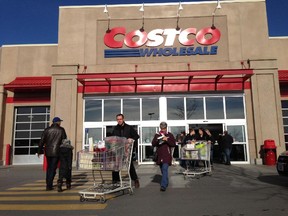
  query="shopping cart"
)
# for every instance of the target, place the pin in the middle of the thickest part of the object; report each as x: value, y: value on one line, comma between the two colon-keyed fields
x: 115, y: 157
x: 192, y: 154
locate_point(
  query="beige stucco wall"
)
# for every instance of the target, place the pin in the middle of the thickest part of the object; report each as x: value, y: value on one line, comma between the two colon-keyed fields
x: 21, y: 61
x: 82, y: 30
x: 27, y: 60
x: 279, y: 48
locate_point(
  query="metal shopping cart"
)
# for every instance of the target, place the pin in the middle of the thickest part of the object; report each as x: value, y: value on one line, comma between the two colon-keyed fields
x: 116, y: 156
x: 192, y: 154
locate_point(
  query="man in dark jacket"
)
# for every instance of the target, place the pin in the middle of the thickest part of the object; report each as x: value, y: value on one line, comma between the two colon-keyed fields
x: 227, y: 141
x: 51, y: 140
x: 124, y: 130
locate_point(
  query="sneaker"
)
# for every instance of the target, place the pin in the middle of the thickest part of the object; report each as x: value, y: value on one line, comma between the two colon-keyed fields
x: 162, y: 189
x: 136, y: 183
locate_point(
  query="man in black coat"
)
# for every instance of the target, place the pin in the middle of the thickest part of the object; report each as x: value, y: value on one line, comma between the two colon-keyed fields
x: 227, y: 141
x: 51, y: 140
x: 124, y: 130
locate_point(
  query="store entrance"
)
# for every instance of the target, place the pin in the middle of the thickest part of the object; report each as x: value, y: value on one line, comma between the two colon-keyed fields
x: 215, y: 130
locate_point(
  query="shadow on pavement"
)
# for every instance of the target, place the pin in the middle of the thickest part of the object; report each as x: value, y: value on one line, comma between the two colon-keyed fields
x: 275, y: 180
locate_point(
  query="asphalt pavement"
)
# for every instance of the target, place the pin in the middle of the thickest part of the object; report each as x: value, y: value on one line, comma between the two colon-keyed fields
x: 236, y: 190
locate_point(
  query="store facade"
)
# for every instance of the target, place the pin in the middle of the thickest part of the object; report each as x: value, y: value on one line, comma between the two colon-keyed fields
x: 196, y: 67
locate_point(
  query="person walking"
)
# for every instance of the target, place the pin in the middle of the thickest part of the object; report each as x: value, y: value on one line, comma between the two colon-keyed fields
x: 164, y: 141
x: 227, y: 141
x: 65, y: 169
x: 125, y: 130
x: 50, y: 142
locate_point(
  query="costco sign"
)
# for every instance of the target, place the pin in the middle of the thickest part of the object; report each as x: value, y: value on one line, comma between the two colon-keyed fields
x: 143, y: 44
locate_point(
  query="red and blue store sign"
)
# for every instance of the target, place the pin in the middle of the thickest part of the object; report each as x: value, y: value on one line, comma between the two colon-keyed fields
x: 202, y: 42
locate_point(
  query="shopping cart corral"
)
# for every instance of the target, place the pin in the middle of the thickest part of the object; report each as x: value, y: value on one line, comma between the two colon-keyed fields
x: 195, y: 158
x: 116, y: 156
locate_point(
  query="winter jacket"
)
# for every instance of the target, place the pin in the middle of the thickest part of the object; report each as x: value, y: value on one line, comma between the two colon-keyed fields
x: 51, y: 140
x: 164, y: 148
x: 227, y: 141
x: 126, y: 131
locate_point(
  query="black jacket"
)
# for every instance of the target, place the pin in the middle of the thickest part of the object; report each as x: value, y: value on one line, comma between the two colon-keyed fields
x: 227, y: 141
x: 51, y: 140
x: 125, y: 130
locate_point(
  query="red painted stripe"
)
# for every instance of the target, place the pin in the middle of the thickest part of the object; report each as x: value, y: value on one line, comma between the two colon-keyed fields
x: 27, y: 100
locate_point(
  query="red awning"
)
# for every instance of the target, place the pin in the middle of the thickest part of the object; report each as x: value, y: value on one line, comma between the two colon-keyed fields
x: 283, y: 75
x: 24, y: 84
x: 170, y: 81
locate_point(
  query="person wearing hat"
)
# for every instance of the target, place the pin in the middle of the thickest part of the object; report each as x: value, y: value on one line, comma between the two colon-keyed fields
x: 164, y: 141
x: 50, y: 142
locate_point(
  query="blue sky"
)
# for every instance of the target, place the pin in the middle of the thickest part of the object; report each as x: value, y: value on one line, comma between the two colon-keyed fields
x: 36, y: 21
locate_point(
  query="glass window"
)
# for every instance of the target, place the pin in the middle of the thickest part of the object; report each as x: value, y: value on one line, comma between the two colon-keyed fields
x: 39, y: 109
x: 194, y: 108
x: 22, y: 142
x: 234, y: 108
x: 93, y: 110
x: 33, y: 151
x: 148, y: 134
x: 237, y: 132
x: 131, y: 109
x: 35, y: 142
x: 238, y: 153
x: 24, y: 110
x: 23, y: 126
x: 93, y: 135
x: 285, y: 113
x: 23, y: 118
x: 22, y: 134
x: 214, y: 108
x: 39, y: 118
x: 150, y: 109
x: 286, y: 138
x: 38, y: 125
x: 176, y: 131
x: 28, y: 134
x: 285, y: 121
x: 21, y: 151
x: 36, y: 134
x: 175, y: 109
x: 284, y: 103
x: 111, y: 109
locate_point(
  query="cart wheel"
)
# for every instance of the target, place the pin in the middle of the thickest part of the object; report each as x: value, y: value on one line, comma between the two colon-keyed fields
x: 130, y: 191
x: 102, y: 199
x: 82, y: 199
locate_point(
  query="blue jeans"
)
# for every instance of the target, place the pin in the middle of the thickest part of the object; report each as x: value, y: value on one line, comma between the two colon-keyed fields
x: 227, y: 152
x: 164, y: 170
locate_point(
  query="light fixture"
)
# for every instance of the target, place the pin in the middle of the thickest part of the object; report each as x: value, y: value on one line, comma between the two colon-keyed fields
x: 142, y: 10
x: 218, y: 6
x: 180, y: 8
x: 107, y: 12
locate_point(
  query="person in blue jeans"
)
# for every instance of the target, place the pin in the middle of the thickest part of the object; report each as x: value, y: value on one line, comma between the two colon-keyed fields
x: 227, y: 141
x: 164, y: 141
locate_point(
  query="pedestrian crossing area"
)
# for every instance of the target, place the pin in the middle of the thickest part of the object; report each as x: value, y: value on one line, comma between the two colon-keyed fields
x: 33, y: 196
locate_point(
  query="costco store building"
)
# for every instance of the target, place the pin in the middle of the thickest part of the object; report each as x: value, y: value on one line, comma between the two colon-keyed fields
x: 202, y: 66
